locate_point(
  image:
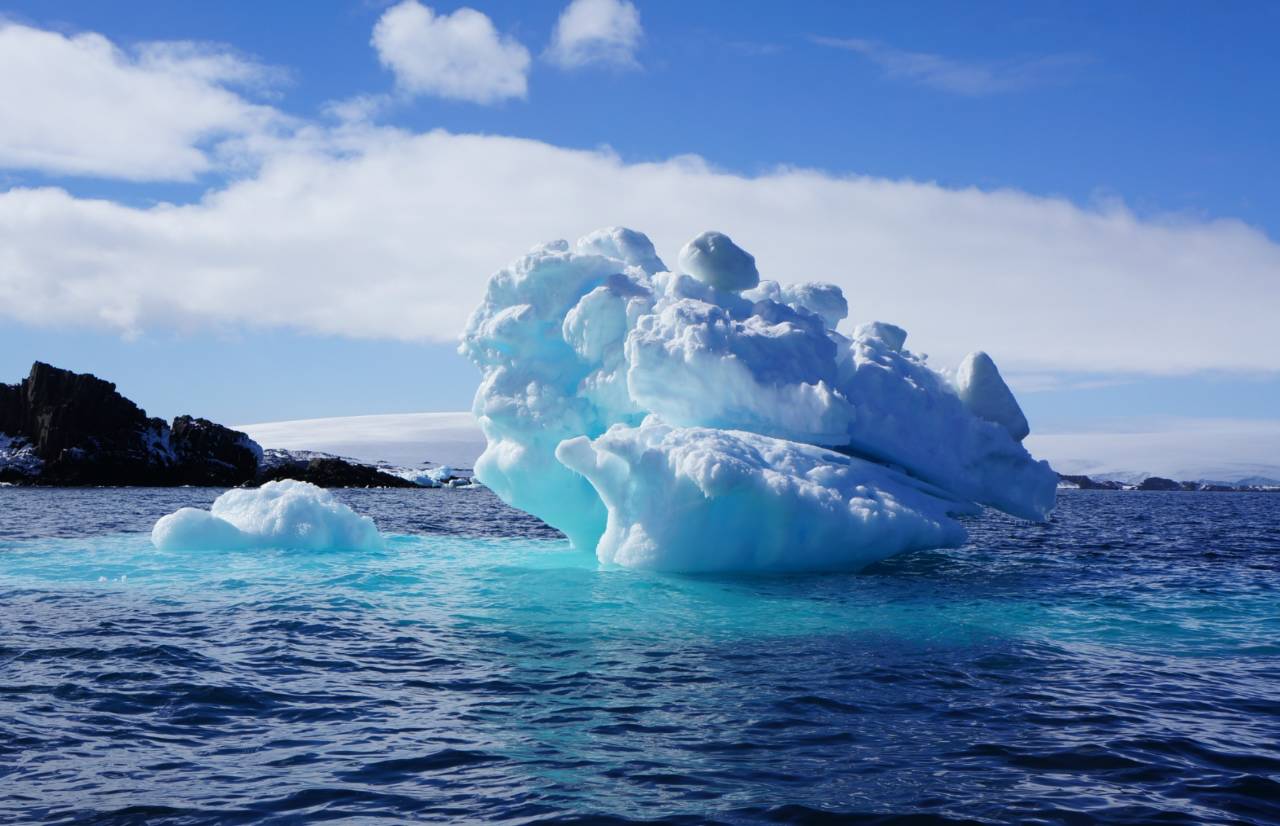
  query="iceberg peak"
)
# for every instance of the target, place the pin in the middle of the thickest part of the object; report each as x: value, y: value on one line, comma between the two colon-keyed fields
x: 714, y: 259
x: 983, y: 391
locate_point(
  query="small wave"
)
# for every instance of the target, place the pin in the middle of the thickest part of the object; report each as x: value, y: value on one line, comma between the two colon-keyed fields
x: 396, y: 770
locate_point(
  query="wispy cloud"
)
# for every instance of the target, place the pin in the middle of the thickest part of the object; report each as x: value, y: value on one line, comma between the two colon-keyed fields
x: 961, y: 77
x: 597, y: 32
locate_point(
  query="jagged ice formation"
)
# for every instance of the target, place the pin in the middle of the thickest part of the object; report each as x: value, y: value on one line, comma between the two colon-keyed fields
x: 710, y: 420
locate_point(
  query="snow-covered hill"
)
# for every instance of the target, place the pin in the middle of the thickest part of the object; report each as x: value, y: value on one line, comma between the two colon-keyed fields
x: 404, y: 439
x: 1221, y: 450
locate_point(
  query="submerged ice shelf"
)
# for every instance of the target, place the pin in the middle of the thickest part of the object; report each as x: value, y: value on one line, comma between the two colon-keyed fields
x: 710, y: 420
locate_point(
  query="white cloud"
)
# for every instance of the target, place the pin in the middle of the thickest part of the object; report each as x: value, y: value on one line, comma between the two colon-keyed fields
x: 374, y: 232
x: 78, y: 105
x: 602, y: 32
x: 459, y: 56
x: 958, y: 76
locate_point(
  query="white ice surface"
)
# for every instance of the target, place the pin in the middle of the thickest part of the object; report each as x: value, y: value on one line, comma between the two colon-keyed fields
x: 426, y: 477
x: 573, y: 340
x: 701, y: 499
x: 984, y: 392
x: 286, y: 514
x: 714, y: 259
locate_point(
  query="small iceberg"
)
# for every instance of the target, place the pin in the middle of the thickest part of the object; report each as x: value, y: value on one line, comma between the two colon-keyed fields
x: 285, y: 514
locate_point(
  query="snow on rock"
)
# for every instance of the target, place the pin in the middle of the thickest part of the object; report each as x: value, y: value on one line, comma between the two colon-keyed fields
x: 714, y: 259
x: 702, y: 499
x: 18, y: 457
x: 575, y: 340
x: 983, y: 391
x: 435, y: 477
x: 286, y: 514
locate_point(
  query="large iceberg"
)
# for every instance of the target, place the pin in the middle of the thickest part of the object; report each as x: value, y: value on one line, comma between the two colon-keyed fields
x: 287, y: 514
x: 710, y: 420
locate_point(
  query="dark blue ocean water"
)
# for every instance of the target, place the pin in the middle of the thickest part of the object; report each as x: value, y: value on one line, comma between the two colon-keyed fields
x: 1120, y: 664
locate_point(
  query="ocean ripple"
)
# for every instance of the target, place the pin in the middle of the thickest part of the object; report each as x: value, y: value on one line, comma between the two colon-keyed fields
x: 1116, y: 665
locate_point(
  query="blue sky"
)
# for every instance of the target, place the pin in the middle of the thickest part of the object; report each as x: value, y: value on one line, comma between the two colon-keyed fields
x: 1160, y: 118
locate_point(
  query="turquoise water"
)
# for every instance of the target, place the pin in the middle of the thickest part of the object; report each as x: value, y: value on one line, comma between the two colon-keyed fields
x: 1119, y: 664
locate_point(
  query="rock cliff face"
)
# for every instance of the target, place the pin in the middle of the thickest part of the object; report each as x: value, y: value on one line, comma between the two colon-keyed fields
x: 63, y: 428
x: 210, y: 454
x: 84, y: 431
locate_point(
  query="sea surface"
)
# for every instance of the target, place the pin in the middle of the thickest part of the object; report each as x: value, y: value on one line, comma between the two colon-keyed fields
x: 1119, y: 664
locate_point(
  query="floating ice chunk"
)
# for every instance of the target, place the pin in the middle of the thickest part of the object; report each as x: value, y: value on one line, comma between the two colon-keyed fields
x: 983, y: 391
x: 285, y: 514
x: 575, y: 340
x: 714, y: 259
x: 192, y: 529
x: 700, y: 499
x: 426, y: 477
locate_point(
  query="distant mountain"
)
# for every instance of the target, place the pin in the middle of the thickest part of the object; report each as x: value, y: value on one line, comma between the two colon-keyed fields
x: 1160, y: 483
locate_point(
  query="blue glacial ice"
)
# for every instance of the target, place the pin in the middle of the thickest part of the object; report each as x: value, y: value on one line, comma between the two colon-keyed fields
x: 287, y: 514
x: 705, y: 499
x: 706, y: 419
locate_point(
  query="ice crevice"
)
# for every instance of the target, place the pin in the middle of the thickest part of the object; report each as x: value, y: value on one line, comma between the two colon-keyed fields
x: 706, y: 419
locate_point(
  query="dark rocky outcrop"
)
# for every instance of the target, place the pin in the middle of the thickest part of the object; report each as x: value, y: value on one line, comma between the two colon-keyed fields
x: 210, y: 454
x: 332, y: 472
x: 76, y: 429
x: 1159, y: 483
x: 1086, y: 483
x: 85, y: 432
